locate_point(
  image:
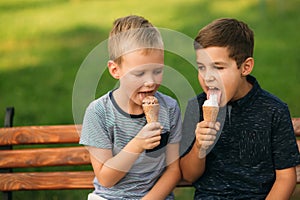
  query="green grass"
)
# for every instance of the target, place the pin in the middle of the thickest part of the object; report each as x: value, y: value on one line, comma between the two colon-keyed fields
x: 43, y: 44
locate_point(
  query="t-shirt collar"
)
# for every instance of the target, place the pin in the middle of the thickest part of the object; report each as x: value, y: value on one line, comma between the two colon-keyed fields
x: 111, y: 96
x: 252, y: 94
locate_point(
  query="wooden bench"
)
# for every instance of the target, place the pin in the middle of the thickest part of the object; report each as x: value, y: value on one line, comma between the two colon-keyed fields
x: 61, y: 149
x: 44, y: 146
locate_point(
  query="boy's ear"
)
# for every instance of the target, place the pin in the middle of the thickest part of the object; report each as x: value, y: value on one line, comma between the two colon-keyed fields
x: 247, y: 66
x: 113, y: 69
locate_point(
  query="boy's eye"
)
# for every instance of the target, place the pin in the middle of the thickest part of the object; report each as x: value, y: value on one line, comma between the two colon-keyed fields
x: 139, y: 74
x: 218, y: 67
x: 201, y: 67
x: 158, y: 71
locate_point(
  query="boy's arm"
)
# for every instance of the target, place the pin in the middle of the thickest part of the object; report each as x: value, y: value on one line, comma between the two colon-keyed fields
x: 284, y: 184
x: 169, y: 179
x: 193, y: 164
x: 110, y: 169
x: 296, y: 125
x: 192, y: 167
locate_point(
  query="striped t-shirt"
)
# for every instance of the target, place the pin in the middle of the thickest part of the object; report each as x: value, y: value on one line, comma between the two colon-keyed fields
x: 106, y: 126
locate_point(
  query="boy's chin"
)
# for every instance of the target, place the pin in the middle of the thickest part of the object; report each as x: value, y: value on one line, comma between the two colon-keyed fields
x: 223, y: 102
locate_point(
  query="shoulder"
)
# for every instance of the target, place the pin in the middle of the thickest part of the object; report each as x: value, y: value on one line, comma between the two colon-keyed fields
x: 197, y: 100
x: 264, y: 97
x: 193, y: 111
x: 169, y: 107
x: 268, y: 106
x: 100, y: 104
x: 166, y: 100
x: 272, y: 101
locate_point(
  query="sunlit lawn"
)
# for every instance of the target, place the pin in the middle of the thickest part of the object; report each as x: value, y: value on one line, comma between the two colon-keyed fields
x: 43, y: 44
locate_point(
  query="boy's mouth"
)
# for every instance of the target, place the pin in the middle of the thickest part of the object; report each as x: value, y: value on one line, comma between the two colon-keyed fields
x: 214, y: 90
x: 142, y: 95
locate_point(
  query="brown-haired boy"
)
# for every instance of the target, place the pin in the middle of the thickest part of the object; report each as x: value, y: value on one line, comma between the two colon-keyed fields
x: 253, y: 153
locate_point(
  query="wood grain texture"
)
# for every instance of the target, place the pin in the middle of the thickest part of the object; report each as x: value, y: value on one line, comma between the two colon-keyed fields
x: 44, y: 157
x: 46, y: 180
x: 56, y: 156
x: 40, y: 134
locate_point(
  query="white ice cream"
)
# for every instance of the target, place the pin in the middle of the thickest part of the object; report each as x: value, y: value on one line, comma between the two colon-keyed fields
x: 212, y: 101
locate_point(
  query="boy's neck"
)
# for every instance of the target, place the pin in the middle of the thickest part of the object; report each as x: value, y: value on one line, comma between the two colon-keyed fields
x: 127, y: 105
x: 245, y: 88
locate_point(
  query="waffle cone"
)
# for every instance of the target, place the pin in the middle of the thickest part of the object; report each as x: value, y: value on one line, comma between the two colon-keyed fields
x: 151, y: 112
x: 210, y: 113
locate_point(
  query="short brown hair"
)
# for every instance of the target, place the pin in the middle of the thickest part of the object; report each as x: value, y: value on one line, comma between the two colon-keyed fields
x: 132, y: 33
x: 230, y: 33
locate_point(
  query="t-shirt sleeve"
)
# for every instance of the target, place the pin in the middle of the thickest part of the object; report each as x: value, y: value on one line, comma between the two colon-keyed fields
x: 285, y: 150
x: 191, y: 118
x: 176, y: 125
x: 94, y: 133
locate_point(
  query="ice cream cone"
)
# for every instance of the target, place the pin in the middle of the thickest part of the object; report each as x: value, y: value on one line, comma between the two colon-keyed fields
x: 210, y: 108
x: 151, y: 108
x: 210, y: 113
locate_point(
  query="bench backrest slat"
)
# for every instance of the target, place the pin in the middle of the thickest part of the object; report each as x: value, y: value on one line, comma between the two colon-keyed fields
x: 44, y: 157
x: 46, y: 180
x: 54, y: 156
x: 40, y: 135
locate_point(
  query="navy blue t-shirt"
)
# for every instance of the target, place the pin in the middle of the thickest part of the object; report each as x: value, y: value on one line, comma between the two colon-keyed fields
x: 257, y: 137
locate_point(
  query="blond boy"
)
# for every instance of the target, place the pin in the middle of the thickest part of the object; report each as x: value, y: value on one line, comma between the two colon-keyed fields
x: 132, y: 159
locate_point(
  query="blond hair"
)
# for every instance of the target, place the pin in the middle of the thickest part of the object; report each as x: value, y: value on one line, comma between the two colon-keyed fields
x: 132, y: 33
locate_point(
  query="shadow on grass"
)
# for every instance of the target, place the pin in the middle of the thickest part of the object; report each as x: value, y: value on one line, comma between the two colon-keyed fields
x: 14, y: 6
x: 276, y: 39
x: 42, y: 93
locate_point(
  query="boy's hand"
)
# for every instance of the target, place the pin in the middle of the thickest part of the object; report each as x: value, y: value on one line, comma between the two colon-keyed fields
x: 149, y: 136
x: 205, y: 136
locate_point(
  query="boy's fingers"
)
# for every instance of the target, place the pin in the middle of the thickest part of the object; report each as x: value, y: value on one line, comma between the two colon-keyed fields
x: 153, y: 139
x: 208, y: 137
x: 153, y: 145
x: 205, y: 131
x: 149, y: 132
x: 217, y: 126
x: 154, y: 126
x: 208, y: 126
x: 206, y: 144
x: 205, y: 124
x: 206, y: 134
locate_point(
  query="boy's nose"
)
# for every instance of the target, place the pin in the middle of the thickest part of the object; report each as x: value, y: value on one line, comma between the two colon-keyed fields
x: 149, y: 80
x: 149, y: 83
x: 209, y: 76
